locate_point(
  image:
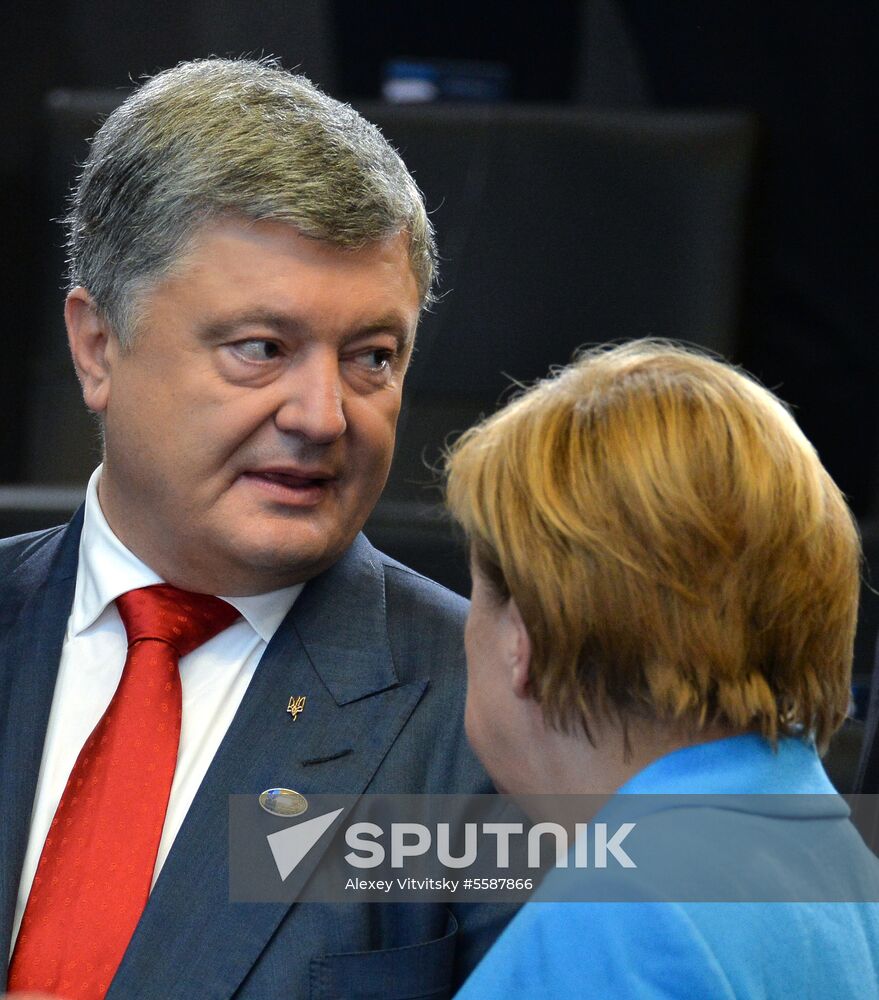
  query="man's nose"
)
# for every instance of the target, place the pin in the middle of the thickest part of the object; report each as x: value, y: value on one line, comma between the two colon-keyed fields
x: 313, y: 403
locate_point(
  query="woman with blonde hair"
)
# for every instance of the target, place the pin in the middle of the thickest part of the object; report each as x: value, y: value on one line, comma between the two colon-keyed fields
x: 665, y: 585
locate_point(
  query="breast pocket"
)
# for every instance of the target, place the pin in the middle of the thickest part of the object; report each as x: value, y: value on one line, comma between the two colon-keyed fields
x: 410, y: 973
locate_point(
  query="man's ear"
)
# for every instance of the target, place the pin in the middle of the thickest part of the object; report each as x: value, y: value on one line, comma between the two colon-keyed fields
x: 520, y: 652
x: 93, y: 346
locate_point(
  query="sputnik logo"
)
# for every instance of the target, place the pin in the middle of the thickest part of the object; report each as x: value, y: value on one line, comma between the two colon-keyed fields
x: 290, y: 846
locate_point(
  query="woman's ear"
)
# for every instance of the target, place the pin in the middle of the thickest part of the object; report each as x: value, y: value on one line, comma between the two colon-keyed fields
x: 520, y: 652
x: 92, y: 344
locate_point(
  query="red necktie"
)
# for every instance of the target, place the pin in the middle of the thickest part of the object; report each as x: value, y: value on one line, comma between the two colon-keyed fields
x: 94, y: 875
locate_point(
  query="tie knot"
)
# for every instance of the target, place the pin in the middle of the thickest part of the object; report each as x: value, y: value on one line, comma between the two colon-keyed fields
x: 182, y: 619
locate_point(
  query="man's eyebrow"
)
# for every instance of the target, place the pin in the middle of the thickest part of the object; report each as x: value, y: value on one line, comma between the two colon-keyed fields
x: 392, y: 323
x: 286, y: 325
x: 279, y: 322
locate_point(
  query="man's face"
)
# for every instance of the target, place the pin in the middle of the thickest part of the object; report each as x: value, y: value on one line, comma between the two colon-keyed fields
x: 250, y: 427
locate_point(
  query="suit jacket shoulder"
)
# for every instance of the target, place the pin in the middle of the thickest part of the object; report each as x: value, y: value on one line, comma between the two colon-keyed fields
x: 423, y: 615
x: 18, y: 549
x: 427, y: 595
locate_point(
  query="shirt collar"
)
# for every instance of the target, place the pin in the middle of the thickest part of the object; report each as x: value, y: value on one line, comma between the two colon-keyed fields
x: 107, y: 569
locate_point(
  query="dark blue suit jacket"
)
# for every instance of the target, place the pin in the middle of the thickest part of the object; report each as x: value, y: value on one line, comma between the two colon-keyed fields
x: 378, y: 651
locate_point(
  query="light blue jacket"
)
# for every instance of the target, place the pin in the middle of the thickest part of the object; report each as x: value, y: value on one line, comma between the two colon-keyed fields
x: 709, y: 950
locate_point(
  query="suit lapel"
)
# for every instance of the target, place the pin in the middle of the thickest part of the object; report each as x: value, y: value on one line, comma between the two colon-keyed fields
x: 333, y: 648
x: 35, y: 604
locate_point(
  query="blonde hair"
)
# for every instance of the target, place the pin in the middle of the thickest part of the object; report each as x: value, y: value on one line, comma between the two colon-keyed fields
x: 673, y: 543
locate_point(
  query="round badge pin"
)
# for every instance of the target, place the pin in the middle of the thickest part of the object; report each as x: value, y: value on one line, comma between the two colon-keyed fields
x: 283, y: 802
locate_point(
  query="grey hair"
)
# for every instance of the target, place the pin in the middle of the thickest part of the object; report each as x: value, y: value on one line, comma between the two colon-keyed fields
x: 231, y: 137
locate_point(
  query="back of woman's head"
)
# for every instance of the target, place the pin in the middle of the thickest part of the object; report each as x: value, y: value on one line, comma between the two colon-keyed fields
x: 673, y: 543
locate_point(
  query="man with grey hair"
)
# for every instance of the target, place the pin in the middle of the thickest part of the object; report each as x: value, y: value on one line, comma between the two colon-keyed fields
x: 248, y: 262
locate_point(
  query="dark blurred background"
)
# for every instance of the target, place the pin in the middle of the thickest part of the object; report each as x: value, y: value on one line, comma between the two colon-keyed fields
x: 595, y: 169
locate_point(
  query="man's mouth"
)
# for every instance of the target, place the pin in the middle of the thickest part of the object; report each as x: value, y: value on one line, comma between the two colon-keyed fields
x: 301, y: 488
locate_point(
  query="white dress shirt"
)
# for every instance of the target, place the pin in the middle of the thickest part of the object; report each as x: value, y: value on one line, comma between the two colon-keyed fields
x: 214, y: 678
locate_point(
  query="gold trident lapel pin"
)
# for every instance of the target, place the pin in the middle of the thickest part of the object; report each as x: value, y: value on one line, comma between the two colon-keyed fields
x: 296, y: 704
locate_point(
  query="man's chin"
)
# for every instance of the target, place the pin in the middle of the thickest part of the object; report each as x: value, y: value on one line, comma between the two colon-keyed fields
x: 284, y: 561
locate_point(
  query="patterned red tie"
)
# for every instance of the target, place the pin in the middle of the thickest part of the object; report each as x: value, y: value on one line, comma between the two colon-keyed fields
x: 94, y: 875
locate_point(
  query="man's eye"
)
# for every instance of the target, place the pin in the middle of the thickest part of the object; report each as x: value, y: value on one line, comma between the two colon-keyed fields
x: 377, y: 360
x: 257, y: 350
